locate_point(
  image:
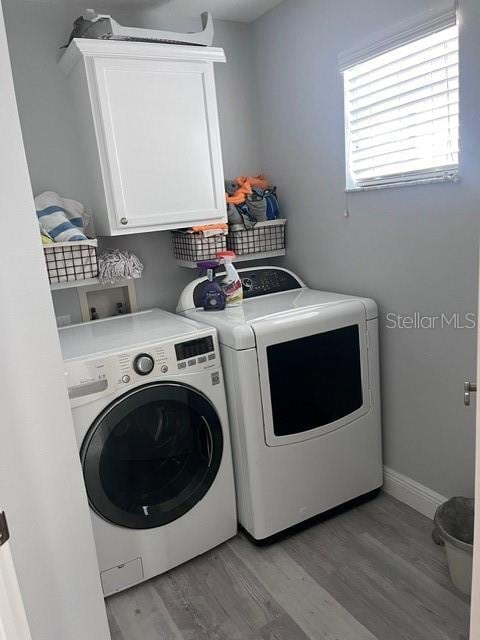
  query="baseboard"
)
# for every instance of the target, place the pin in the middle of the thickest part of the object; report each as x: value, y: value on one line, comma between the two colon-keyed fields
x: 410, y: 492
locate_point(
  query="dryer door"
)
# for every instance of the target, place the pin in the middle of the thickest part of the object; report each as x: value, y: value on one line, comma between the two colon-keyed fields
x: 152, y: 455
x: 313, y: 366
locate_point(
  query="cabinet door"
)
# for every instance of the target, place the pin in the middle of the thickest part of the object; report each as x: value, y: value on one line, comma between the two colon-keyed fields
x: 161, y: 153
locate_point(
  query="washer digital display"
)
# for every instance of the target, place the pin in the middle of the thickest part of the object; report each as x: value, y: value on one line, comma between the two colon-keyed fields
x: 194, y: 348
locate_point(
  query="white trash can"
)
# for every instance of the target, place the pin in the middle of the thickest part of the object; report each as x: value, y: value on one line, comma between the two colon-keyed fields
x: 454, y: 529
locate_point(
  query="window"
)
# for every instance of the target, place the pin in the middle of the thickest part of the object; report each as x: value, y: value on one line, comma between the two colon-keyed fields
x: 402, y: 113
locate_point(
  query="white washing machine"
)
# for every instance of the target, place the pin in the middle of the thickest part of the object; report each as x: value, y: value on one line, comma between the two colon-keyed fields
x: 150, y: 415
x: 302, y: 377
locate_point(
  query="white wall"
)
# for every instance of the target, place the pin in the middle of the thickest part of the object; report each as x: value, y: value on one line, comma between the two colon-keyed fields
x: 41, y: 484
x: 411, y: 249
x: 35, y: 31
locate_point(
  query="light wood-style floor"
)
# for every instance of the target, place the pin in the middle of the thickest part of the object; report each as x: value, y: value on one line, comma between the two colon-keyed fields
x: 372, y: 573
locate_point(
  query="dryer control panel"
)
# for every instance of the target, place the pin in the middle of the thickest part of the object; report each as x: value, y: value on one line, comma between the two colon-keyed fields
x: 256, y: 282
x: 262, y: 282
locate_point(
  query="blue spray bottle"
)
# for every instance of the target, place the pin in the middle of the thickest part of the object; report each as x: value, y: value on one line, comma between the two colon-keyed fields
x: 213, y: 296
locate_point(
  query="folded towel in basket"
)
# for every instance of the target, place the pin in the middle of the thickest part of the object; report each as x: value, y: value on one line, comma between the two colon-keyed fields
x: 60, y: 218
x: 209, y: 230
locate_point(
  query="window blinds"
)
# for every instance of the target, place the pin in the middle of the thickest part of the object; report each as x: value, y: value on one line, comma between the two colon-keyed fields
x: 441, y: 17
x: 402, y: 108
x: 402, y: 111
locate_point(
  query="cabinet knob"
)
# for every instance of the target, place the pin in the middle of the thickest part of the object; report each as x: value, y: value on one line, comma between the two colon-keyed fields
x: 124, y: 220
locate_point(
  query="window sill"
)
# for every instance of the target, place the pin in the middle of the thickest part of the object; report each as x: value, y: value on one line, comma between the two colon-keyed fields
x: 454, y: 179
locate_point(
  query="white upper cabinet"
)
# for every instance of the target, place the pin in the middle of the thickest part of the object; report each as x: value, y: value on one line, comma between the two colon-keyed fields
x: 149, y: 125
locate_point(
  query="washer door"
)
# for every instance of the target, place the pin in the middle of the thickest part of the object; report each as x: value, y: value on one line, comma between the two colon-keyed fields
x: 152, y: 455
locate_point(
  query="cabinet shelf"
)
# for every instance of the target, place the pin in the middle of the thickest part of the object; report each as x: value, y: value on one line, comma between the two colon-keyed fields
x: 77, y: 284
x: 73, y: 284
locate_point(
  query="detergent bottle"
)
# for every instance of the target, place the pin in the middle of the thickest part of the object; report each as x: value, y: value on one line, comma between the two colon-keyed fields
x: 232, y: 283
x: 213, y: 296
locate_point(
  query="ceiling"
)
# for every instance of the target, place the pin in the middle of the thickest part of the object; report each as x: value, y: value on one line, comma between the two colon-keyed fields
x: 238, y: 10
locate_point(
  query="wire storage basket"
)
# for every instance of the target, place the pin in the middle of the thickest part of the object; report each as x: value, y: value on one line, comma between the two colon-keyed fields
x: 69, y: 261
x: 265, y: 237
x: 190, y: 248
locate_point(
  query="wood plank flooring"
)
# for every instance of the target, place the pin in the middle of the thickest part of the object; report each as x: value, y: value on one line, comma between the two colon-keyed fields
x: 372, y: 573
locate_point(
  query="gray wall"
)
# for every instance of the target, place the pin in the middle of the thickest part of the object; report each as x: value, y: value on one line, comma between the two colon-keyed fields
x: 35, y: 31
x: 411, y: 249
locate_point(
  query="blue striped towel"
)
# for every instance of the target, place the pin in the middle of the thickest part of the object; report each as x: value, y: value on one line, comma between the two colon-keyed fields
x: 60, y: 218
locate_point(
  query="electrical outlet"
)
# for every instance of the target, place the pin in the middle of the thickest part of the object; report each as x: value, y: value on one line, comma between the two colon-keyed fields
x: 63, y: 321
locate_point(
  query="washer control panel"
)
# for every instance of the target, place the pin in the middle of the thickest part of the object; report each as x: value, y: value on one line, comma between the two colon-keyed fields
x: 144, y: 364
x: 195, y: 348
x: 87, y: 379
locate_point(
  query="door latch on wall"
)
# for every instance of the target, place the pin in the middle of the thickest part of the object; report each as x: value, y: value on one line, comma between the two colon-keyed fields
x: 468, y: 388
x: 4, y: 533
